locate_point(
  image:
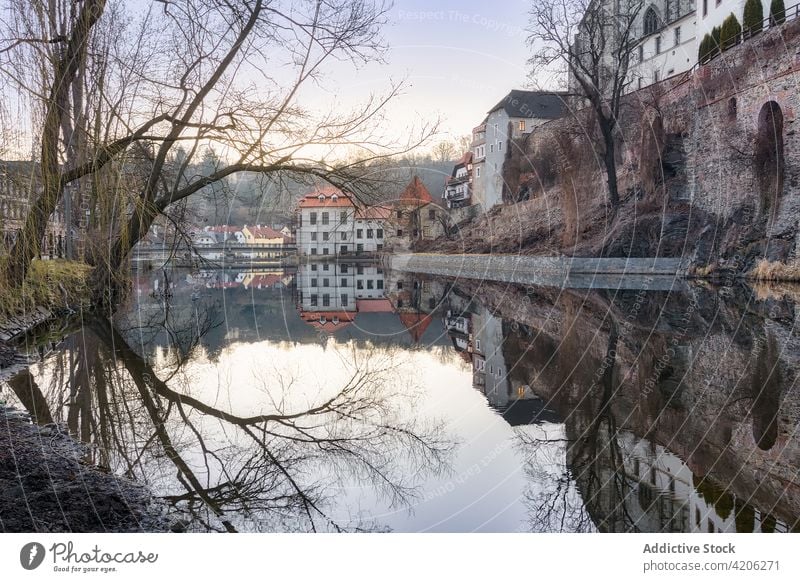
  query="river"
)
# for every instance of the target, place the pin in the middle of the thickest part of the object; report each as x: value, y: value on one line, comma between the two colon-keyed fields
x: 350, y: 398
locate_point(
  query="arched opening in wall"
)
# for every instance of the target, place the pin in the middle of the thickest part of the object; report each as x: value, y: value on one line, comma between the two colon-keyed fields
x: 766, y: 386
x: 732, y: 109
x: 768, y: 157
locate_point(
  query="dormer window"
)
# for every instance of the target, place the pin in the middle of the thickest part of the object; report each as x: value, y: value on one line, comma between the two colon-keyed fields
x: 322, y: 320
x: 321, y: 198
x: 334, y: 198
x: 335, y: 321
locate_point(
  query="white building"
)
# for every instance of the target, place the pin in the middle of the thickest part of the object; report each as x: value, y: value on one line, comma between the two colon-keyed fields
x: 458, y: 187
x: 517, y: 114
x: 667, y: 45
x: 328, y: 224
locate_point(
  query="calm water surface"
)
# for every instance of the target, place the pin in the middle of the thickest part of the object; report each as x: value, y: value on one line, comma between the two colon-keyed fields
x: 347, y: 398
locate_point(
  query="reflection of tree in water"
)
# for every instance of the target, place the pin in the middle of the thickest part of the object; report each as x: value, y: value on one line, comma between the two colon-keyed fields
x: 273, y: 471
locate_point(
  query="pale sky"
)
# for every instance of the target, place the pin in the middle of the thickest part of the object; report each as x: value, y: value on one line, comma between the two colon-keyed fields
x: 459, y: 57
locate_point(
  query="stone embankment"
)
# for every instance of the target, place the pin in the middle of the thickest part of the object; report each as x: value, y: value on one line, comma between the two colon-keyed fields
x: 635, y: 273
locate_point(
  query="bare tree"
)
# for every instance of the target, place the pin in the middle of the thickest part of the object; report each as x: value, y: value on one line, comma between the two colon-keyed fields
x: 193, y: 75
x: 591, y: 43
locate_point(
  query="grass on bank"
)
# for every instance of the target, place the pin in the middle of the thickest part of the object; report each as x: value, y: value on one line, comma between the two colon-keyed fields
x: 55, y: 284
x: 775, y: 271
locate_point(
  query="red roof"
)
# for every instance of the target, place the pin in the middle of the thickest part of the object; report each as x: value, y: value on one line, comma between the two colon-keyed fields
x: 416, y: 193
x: 465, y: 159
x: 264, y: 232
x: 313, y: 318
x: 374, y: 213
x: 416, y: 324
x: 331, y: 197
x: 223, y: 229
x: 374, y: 306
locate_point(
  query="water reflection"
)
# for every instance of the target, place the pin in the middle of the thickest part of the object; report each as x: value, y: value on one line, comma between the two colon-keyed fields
x: 344, y: 397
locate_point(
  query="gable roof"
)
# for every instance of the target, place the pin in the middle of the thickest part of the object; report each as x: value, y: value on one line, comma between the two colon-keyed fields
x: 538, y: 104
x: 415, y: 193
x: 264, y: 232
x: 312, y: 199
x: 416, y: 324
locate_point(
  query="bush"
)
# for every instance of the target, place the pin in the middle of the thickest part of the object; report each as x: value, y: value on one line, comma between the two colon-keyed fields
x: 777, y: 12
x: 730, y: 32
x: 716, y: 32
x: 753, y: 17
x: 707, y: 49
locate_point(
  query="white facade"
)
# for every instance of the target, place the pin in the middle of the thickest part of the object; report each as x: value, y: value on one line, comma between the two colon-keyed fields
x: 326, y: 286
x: 368, y: 234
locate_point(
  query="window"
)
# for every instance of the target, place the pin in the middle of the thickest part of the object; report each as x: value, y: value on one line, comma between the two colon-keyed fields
x: 326, y: 236
x: 344, y: 300
x: 379, y: 284
x: 705, y: 7
x: 326, y: 300
x: 343, y: 268
x: 360, y: 233
x: 416, y: 233
x: 668, y: 10
x: 478, y: 171
x: 325, y: 251
x: 656, y: 76
x: 499, y: 146
x: 650, y: 21
x: 343, y: 249
x: 432, y: 214
x: 344, y: 282
x: 313, y: 266
x: 326, y: 218
x: 379, y: 247
x: 326, y: 282
x: 399, y: 304
x: 677, y: 36
x: 491, y: 148
x: 326, y: 267
x: 314, y: 236
x: 399, y: 284
x: 369, y: 233
x: 312, y: 219
x: 379, y: 233
x: 313, y: 300
x: 360, y: 270
x: 370, y: 284
x: 314, y: 251
x: 641, y: 52
x: 399, y: 214
x: 359, y: 284
x: 399, y: 232
x: 343, y: 217
x: 313, y: 282
x: 521, y: 125
x: 342, y: 236
x: 658, y: 45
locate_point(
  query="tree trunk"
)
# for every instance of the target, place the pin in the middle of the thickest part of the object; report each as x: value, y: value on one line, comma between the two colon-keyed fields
x: 27, y: 245
x: 610, y: 161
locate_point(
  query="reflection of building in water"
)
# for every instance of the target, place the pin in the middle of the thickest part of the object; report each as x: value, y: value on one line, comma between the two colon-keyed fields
x: 478, y: 336
x: 656, y: 491
x: 330, y: 294
x: 413, y: 298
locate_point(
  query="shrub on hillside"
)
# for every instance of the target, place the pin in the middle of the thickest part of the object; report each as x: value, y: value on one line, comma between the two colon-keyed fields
x: 753, y: 17
x: 777, y: 12
x: 730, y: 32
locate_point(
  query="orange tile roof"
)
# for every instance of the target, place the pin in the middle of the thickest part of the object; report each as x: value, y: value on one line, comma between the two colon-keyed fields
x: 260, y: 281
x: 416, y: 324
x: 313, y: 319
x: 374, y: 213
x: 374, y: 306
x: 264, y: 232
x: 311, y: 200
x: 415, y: 193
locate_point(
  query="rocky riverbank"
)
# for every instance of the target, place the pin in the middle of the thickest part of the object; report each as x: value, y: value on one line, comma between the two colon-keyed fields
x: 48, y: 485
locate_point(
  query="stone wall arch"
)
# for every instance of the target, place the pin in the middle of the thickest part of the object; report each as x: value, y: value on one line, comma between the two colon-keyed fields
x: 768, y: 157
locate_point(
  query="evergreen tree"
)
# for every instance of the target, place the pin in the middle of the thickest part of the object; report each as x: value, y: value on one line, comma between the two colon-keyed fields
x: 730, y: 32
x: 777, y: 12
x: 753, y: 17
